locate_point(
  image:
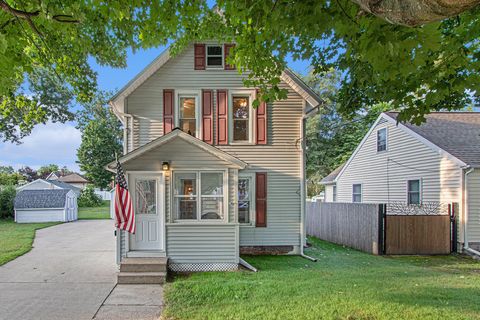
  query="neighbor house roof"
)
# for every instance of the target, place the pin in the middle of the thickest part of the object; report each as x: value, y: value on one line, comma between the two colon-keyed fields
x: 332, y: 176
x: 65, y: 185
x: 73, y: 178
x: 39, y: 199
x: 458, y: 133
x: 288, y: 76
x: 179, y: 134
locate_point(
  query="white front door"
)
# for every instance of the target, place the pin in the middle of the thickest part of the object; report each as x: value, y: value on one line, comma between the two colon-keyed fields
x: 147, y: 194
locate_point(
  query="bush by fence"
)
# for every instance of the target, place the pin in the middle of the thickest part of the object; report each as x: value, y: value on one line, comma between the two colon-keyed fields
x: 88, y: 198
x: 7, y: 197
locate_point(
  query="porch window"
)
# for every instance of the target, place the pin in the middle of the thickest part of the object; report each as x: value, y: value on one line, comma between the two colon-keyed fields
x: 245, y: 192
x: 188, y: 115
x: 199, y: 196
x: 145, y: 196
x: 357, y: 193
x: 214, y: 56
x: 241, y: 118
x: 413, y: 192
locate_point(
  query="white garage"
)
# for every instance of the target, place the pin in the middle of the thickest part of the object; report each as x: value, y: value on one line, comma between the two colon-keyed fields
x: 46, y: 206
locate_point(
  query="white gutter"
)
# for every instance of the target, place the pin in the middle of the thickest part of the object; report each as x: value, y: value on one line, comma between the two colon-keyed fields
x: 465, y: 222
x: 247, y: 265
x: 303, y: 233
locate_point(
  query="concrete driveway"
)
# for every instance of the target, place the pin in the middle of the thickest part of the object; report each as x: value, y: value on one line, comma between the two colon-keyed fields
x: 67, y: 275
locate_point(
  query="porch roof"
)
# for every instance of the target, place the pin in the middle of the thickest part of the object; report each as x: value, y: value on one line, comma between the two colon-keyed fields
x: 177, y: 133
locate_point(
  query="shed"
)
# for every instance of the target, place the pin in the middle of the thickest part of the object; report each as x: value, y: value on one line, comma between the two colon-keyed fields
x: 48, y: 205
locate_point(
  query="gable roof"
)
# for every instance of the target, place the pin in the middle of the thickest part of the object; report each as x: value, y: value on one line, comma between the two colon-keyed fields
x: 457, y: 133
x: 43, y: 181
x: 39, y: 199
x: 65, y: 185
x: 177, y: 133
x: 288, y: 76
x: 73, y: 178
x: 332, y: 175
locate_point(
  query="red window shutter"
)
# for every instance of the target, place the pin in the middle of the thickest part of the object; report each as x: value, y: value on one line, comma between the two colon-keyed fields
x: 207, y: 116
x: 168, y: 111
x: 199, y: 60
x: 261, y: 199
x: 226, y: 50
x: 261, y: 123
x: 222, y: 117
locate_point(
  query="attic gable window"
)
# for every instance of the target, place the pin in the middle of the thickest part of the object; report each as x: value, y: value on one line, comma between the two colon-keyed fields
x: 382, y: 140
x: 214, y: 56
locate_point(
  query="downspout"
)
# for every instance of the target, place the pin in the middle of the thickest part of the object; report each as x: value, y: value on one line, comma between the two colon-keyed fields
x: 303, y: 234
x: 466, y: 213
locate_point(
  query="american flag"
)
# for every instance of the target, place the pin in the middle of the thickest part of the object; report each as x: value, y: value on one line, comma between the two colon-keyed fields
x: 124, y: 215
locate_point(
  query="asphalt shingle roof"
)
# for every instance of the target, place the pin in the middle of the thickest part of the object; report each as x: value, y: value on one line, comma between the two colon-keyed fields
x: 333, y: 175
x: 72, y: 178
x: 458, y: 133
x: 65, y: 185
x: 36, y: 199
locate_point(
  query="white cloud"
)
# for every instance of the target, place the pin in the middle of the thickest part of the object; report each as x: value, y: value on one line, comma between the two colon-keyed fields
x: 50, y: 143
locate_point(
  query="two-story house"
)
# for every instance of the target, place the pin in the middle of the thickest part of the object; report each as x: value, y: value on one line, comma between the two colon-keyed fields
x: 211, y: 176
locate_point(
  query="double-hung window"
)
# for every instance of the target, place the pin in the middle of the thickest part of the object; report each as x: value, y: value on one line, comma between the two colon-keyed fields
x: 245, y: 199
x: 241, y: 118
x: 214, y: 56
x: 357, y: 193
x: 198, y: 195
x: 413, y: 191
x: 334, y: 191
x: 382, y: 140
x: 188, y: 117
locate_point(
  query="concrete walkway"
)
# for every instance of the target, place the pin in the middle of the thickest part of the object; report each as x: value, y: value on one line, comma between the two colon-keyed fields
x: 133, y: 301
x: 67, y: 275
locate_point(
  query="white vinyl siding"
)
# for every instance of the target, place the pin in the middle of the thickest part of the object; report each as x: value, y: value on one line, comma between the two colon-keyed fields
x: 329, y: 193
x: 40, y: 215
x: 473, y: 224
x: 384, y: 175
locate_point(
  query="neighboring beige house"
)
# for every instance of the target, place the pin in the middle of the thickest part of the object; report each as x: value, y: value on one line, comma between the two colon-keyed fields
x: 75, y: 180
x: 438, y: 161
x: 211, y: 176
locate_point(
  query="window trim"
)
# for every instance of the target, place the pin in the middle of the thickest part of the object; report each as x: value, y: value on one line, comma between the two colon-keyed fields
x: 198, y: 173
x: 251, y: 96
x: 251, y: 177
x: 198, y: 119
x: 420, y: 191
x: 219, y: 67
x: 361, y: 192
x: 386, y: 140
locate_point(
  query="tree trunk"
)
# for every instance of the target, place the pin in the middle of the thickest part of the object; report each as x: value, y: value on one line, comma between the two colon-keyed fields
x: 415, y: 12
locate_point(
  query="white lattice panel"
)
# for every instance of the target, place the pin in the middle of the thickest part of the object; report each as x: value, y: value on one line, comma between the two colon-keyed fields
x: 202, y: 267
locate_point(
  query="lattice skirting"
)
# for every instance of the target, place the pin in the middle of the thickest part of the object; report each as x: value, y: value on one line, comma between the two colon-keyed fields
x: 202, y: 267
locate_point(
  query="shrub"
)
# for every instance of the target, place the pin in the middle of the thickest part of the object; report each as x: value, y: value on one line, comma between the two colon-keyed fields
x: 88, y: 198
x: 7, y: 197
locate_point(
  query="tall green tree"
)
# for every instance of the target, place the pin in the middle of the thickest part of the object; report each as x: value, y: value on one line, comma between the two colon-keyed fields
x: 28, y: 173
x: 7, y: 169
x: 45, y: 170
x: 330, y: 136
x: 429, y: 67
x: 101, y: 140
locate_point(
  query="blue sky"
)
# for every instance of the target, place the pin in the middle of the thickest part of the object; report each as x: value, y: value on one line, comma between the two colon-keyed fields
x: 57, y: 143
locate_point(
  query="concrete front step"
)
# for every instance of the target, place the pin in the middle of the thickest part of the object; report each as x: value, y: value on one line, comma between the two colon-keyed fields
x: 144, y: 265
x: 141, y: 277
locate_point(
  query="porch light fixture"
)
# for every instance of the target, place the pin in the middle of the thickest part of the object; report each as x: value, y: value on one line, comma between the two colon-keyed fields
x: 165, y: 166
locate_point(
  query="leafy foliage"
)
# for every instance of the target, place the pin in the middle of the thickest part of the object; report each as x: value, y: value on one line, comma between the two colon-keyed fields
x: 7, y: 169
x: 88, y: 197
x: 45, y: 170
x: 430, y: 67
x: 28, y: 173
x: 331, y: 137
x: 101, y: 140
x: 10, y: 179
x: 7, y: 196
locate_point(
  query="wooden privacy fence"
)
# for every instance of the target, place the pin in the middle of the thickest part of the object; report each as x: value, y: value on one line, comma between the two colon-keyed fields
x: 393, y: 228
x: 355, y: 225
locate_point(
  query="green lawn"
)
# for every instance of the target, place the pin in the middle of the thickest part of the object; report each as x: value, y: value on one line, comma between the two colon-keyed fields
x: 343, y: 284
x: 17, y: 238
x: 102, y: 212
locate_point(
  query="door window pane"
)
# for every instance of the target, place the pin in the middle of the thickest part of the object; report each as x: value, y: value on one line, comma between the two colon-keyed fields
x: 187, y: 115
x: 244, y: 198
x: 145, y: 197
x: 241, y: 115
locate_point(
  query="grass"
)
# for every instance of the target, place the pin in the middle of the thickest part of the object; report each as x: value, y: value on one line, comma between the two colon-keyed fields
x: 343, y: 284
x: 89, y: 213
x: 16, y: 239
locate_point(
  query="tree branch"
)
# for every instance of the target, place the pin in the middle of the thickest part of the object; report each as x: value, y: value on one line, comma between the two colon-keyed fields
x: 17, y: 13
